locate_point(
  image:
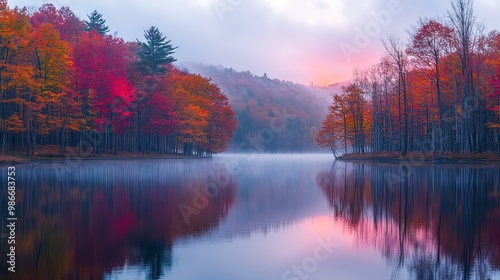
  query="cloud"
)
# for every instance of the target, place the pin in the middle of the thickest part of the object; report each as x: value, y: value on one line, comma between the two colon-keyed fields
x: 298, y: 40
x: 310, y: 12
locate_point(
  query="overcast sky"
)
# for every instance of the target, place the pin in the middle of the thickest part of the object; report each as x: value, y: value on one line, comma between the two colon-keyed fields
x: 298, y: 40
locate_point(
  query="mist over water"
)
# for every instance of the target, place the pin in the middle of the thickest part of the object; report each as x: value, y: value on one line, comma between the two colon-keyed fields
x: 240, y: 216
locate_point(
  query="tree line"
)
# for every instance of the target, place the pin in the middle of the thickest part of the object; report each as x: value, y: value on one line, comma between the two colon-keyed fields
x: 437, y: 92
x: 67, y: 83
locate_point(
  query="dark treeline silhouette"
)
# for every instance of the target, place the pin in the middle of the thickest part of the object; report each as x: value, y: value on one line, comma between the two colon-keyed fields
x: 437, y: 221
x: 67, y: 86
x: 437, y: 92
x: 82, y: 221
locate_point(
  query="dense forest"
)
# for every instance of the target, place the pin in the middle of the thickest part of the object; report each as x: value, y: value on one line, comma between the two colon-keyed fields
x: 274, y: 116
x: 67, y: 84
x: 438, y: 93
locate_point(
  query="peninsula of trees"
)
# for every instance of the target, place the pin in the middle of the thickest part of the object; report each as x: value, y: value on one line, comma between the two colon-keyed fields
x: 437, y: 94
x: 67, y: 83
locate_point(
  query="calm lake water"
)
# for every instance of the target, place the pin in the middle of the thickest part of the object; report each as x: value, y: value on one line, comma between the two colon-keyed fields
x: 242, y: 217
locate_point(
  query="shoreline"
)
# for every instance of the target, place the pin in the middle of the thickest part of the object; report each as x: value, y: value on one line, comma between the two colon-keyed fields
x: 16, y: 159
x: 6, y: 160
x: 419, y: 157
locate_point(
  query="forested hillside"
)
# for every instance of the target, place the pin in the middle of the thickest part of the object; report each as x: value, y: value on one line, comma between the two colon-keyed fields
x: 273, y: 115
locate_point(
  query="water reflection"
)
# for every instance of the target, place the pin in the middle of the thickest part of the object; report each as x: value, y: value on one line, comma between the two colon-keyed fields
x: 274, y: 191
x: 261, y: 216
x: 435, y: 221
x: 81, y: 222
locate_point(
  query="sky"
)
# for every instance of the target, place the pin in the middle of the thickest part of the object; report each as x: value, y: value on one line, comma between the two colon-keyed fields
x: 304, y: 41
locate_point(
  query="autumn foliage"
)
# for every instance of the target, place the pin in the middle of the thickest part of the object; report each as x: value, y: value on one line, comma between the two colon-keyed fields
x: 437, y: 93
x: 66, y: 82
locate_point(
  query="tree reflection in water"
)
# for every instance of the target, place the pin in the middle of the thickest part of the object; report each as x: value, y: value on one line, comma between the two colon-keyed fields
x: 436, y: 221
x: 87, y: 221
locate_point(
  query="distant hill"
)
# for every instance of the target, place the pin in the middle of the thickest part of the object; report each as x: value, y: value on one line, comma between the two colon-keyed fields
x: 273, y: 115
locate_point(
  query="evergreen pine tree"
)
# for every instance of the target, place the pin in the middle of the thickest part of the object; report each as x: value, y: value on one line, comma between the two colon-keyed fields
x: 155, y: 53
x: 96, y: 22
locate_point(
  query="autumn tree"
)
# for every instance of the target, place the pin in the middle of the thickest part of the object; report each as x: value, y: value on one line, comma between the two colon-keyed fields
x: 346, y: 121
x: 356, y: 105
x: 106, y: 94
x: 395, y: 49
x: 63, y: 20
x: 191, y: 107
x: 221, y: 122
x: 495, y: 83
x: 340, y: 110
x: 51, y: 84
x: 328, y: 136
x: 430, y: 43
x: 15, y: 72
x: 464, y: 23
x: 164, y: 120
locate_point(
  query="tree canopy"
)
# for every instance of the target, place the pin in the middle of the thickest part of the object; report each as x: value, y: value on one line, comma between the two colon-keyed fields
x: 97, y: 23
x: 437, y: 93
x: 155, y: 53
x: 67, y: 91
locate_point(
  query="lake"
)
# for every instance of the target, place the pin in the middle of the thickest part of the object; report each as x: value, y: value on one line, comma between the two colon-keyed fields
x: 254, y: 217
